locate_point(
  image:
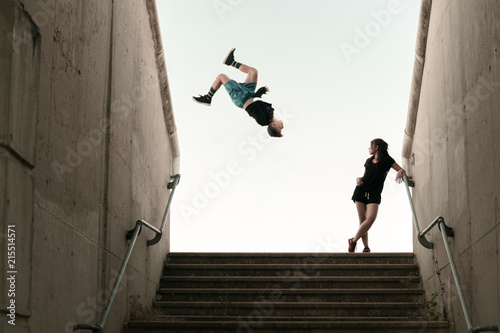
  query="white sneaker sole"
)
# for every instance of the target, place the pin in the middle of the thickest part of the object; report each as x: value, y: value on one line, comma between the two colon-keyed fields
x: 200, y: 102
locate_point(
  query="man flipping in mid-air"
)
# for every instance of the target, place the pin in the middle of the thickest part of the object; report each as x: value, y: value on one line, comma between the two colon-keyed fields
x: 243, y: 94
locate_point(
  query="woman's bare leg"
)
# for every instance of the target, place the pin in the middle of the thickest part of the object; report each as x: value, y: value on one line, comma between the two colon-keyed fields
x: 361, y: 207
x: 371, y: 215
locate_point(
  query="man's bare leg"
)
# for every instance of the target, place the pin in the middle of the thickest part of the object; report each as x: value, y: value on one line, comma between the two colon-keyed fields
x: 220, y: 80
x: 252, y: 73
x: 207, y: 99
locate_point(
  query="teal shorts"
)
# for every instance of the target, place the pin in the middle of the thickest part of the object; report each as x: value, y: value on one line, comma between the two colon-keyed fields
x: 240, y: 92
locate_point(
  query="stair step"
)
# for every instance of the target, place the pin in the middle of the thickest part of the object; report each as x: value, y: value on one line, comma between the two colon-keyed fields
x: 296, y: 327
x: 291, y: 295
x: 272, y: 282
x: 289, y: 258
x: 307, y: 309
x: 188, y: 318
x: 291, y: 270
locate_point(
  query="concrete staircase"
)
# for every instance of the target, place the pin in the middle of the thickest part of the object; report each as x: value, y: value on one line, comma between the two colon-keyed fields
x: 292, y: 292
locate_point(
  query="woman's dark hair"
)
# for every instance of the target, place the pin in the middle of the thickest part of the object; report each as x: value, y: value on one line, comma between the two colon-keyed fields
x: 383, y: 148
x: 261, y: 91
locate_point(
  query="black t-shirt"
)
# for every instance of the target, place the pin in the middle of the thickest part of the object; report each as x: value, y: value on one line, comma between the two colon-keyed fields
x: 262, y: 112
x: 375, y: 174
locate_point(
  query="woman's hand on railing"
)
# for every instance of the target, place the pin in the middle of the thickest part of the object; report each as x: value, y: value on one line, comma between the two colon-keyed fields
x: 399, y: 176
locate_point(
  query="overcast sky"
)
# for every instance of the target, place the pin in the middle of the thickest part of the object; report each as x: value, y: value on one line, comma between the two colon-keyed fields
x: 339, y: 75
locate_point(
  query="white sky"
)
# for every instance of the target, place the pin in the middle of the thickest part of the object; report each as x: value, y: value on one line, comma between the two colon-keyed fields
x: 339, y: 74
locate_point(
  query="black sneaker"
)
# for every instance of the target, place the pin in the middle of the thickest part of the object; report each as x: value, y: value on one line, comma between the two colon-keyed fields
x: 205, y: 100
x: 228, y: 60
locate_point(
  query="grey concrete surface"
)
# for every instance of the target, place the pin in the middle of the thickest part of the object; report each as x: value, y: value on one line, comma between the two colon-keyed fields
x: 87, y: 146
x: 454, y: 157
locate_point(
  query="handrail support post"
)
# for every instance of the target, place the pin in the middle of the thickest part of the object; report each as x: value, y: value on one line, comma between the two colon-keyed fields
x: 411, y: 183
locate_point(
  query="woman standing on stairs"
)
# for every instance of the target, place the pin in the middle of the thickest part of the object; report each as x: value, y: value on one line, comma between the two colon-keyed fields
x: 243, y: 94
x: 367, y: 194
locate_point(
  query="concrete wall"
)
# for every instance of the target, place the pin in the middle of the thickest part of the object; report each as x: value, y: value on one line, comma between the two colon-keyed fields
x: 455, y: 156
x: 87, y: 147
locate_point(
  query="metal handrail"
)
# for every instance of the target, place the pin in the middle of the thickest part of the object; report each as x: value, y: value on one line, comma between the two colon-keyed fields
x: 421, y: 238
x: 132, y: 236
x: 446, y: 232
x: 172, y: 185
